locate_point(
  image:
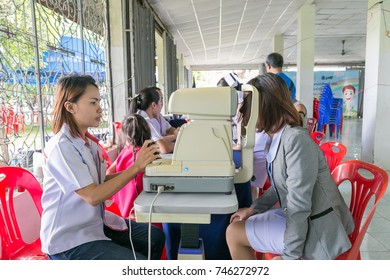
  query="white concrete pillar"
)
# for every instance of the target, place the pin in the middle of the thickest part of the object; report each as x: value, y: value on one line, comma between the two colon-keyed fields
x: 180, y: 71
x: 278, y: 44
x: 118, y: 59
x: 376, y: 106
x: 160, y: 46
x: 305, y: 56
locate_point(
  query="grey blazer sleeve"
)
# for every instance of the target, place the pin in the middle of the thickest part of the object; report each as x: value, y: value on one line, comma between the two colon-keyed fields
x: 301, y: 163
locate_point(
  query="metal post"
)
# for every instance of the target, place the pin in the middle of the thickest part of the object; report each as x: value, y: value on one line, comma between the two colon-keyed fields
x: 81, y: 23
x: 38, y: 74
x: 109, y: 71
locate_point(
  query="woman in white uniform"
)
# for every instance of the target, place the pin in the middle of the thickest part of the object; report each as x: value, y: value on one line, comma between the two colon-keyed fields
x: 74, y: 224
x: 148, y: 103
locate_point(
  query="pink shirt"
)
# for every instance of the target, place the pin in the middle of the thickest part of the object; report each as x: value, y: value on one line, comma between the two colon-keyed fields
x: 124, y: 199
x: 126, y: 196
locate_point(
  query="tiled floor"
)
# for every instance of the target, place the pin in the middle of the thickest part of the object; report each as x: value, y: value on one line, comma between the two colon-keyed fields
x: 376, y: 244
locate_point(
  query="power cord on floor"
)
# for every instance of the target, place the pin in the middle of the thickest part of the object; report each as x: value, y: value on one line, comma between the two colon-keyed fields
x: 160, y: 189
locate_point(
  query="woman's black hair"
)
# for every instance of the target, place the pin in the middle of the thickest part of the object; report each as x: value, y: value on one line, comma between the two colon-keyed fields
x: 144, y: 98
x: 69, y: 89
x: 275, y: 105
x: 135, y: 130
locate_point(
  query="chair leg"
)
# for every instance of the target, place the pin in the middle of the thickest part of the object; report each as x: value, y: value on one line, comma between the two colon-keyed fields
x: 337, y: 131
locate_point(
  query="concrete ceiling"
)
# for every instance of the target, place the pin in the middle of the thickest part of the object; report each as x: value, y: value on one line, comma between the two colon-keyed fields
x: 221, y: 34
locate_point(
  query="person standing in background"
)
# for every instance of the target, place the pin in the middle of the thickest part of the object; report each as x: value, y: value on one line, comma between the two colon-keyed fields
x: 274, y: 64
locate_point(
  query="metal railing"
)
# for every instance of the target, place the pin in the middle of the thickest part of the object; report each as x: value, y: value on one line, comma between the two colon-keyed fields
x: 40, y: 42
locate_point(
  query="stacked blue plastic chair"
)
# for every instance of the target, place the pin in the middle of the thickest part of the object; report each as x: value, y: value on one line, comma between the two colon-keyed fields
x: 323, y: 108
x: 330, y: 112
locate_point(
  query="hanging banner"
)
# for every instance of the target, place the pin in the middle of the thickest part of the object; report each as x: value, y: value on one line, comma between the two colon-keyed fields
x: 344, y: 84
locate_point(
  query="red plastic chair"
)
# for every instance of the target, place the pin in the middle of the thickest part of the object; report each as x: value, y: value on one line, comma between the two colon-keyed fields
x: 364, y: 187
x: 317, y: 136
x: 316, y: 104
x: 334, y: 153
x: 105, y: 156
x: 13, y: 245
x: 118, y: 129
x: 311, y: 124
x: 113, y: 208
x: 266, y: 186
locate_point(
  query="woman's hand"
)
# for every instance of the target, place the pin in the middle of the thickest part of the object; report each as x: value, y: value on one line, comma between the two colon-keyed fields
x: 242, y: 214
x: 176, y: 132
x: 147, y: 154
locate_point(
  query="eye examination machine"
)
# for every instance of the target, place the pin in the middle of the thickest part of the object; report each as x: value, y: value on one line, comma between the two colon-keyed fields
x: 202, y: 161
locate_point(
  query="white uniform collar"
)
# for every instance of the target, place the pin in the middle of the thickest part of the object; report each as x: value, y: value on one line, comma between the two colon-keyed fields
x: 275, y: 144
x: 78, y: 141
x: 143, y: 114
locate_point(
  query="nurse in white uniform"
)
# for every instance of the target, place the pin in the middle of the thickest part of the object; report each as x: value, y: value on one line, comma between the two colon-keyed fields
x: 74, y: 225
x: 148, y: 103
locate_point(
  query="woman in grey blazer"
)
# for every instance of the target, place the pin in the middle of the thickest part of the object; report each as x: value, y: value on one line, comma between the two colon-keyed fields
x: 311, y: 220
